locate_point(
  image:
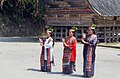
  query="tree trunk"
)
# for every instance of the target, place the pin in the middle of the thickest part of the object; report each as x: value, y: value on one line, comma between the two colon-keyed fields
x: 36, y: 8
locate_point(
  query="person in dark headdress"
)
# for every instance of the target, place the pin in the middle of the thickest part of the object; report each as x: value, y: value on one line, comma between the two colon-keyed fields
x: 69, y: 53
x: 89, y: 40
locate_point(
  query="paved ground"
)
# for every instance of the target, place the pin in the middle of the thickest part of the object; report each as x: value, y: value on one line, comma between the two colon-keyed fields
x: 110, y: 45
x: 20, y: 60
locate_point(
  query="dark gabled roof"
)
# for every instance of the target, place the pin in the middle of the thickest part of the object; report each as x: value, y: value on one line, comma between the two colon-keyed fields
x: 106, y: 7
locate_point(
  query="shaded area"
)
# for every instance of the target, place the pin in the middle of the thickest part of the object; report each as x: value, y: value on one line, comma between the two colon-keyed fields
x: 76, y: 75
x: 19, y: 39
x: 54, y: 72
x: 106, y: 7
x: 117, y: 46
x: 118, y: 54
x: 60, y: 73
x: 33, y: 69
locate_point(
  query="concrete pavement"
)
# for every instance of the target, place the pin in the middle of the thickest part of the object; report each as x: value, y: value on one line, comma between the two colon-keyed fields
x: 110, y: 45
x: 20, y: 60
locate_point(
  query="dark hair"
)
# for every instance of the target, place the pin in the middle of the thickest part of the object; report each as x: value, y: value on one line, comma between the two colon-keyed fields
x: 73, y: 32
x: 93, y: 31
x: 50, y: 33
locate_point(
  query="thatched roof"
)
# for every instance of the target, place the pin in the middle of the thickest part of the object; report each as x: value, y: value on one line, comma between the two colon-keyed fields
x: 106, y: 7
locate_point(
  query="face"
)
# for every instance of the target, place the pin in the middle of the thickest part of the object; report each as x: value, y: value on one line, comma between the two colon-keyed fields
x: 70, y: 33
x: 90, y: 32
x: 48, y: 34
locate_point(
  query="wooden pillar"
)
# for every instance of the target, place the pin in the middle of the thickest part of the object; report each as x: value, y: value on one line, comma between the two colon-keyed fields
x: 66, y: 32
x: 56, y: 17
x: 79, y: 19
x: 105, y: 39
x: 81, y: 30
x: 117, y: 32
x: 61, y: 32
x: 76, y: 34
x: 55, y: 33
x: 113, y: 32
x: 109, y: 34
x: 67, y: 18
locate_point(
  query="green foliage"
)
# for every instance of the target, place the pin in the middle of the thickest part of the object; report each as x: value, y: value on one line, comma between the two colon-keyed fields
x: 41, y: 8
x: 50, y: 29
x: 18, y: 9
x: 75, y: 28
x: 94, y: 25
x: 23, y: 8
x: 26, y: 1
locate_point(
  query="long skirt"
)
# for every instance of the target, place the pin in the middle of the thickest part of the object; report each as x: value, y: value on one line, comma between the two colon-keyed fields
x: 89, y: 62
x: 67, y: 65
x: 45, y: 64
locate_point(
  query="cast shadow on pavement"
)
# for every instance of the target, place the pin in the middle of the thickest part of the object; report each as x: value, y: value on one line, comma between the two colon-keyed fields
x: 72, y: 75
x: 54, y: 72
x: 32, y: 69
x: 118, y: 54
x: 19, y: 39
x: 76, y: 75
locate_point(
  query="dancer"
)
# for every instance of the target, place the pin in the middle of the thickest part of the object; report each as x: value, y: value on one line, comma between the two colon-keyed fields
x: 69, y: 53
x: 89, y: 40
x: 46, y: 57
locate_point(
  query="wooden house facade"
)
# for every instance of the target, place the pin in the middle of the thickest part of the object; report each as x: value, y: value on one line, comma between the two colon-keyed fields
x: 63, y: 14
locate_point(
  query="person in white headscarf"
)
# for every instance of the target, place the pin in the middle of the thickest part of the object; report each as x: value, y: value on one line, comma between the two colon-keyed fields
x: 47, y: 52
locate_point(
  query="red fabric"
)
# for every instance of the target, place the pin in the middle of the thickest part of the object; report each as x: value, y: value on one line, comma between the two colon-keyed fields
x: 72, y: 45
x: 42, y: 57
x: 89, y: 60
x: 48, y: 60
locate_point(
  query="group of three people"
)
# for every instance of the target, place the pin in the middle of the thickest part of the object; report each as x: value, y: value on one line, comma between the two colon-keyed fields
x: 69, y: 53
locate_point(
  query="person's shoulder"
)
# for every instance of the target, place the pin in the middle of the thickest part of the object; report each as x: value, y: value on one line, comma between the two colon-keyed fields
x: 74, y: 38
x: 51, y: 38
x: 95, y: 35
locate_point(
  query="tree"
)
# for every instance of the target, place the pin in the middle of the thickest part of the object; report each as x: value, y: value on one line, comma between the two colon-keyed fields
x: 40, y: 14
x: 18, y: 10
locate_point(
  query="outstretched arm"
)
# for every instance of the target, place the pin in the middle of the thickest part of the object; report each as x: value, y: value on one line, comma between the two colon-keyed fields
x: 41, y: 42
x: 83, y: 39
x: 66, y: 45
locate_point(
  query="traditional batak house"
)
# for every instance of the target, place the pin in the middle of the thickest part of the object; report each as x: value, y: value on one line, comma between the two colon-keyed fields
x: 64, y: 14
x: 108, y: 21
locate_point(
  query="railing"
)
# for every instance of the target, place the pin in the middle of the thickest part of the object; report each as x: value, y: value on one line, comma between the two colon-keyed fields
x: 63, y: 21
x: 77, y: 21
x: 107, y: 22
x: 69, y: 10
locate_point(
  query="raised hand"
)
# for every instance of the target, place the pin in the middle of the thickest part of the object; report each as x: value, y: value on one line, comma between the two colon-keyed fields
x: 63, y: 40
x: 40, y: 40
x: 83, y: 36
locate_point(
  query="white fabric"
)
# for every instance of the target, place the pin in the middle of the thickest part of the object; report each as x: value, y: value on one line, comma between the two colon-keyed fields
x: 48, y: 44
